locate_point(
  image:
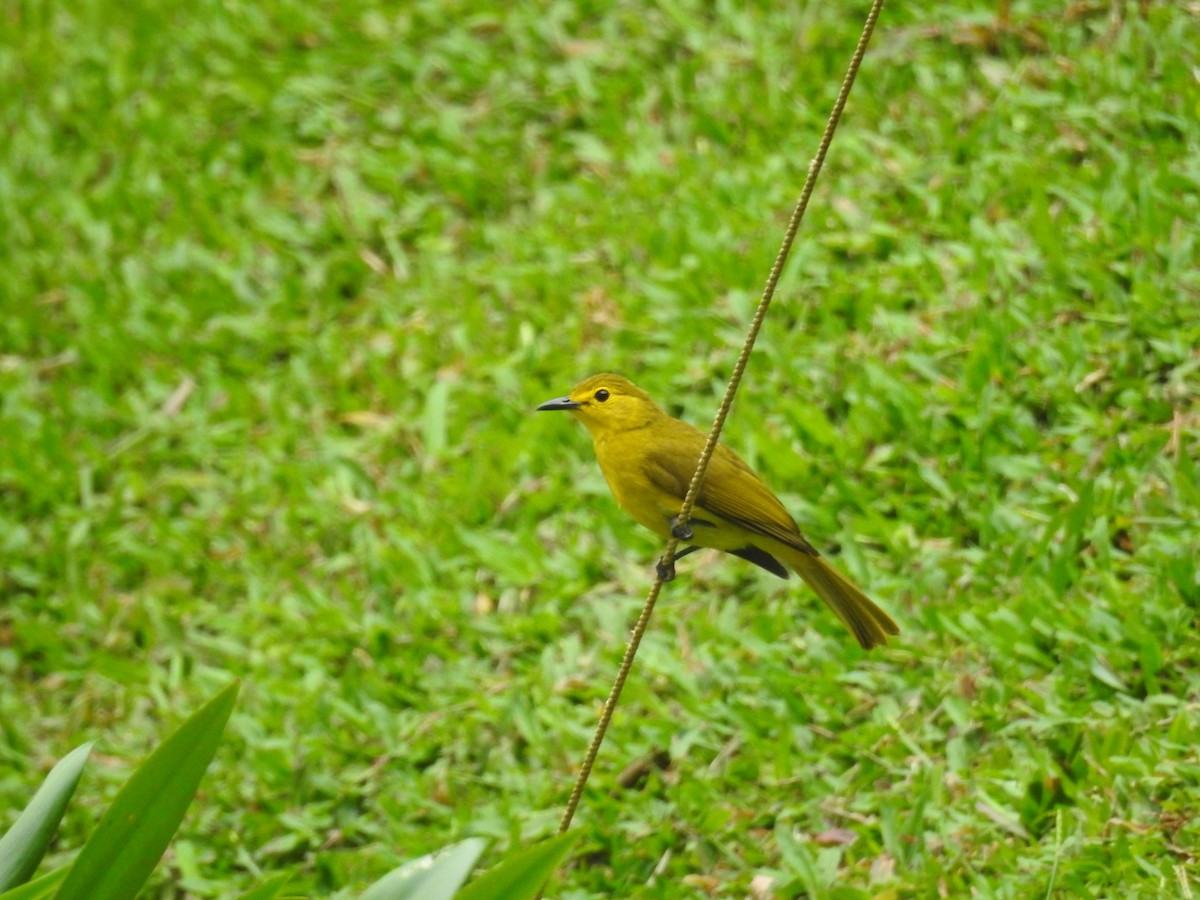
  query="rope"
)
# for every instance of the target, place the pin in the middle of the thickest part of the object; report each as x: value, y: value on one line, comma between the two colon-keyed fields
x: 680, y: 530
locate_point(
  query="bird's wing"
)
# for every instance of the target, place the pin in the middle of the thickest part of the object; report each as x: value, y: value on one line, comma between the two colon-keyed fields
x: 730, y: 490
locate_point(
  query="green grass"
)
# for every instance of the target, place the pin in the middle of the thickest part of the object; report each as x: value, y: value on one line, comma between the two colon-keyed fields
x: 282, y: 283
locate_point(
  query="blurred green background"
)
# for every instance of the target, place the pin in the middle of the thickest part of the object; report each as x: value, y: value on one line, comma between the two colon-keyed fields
x: 282, y: 282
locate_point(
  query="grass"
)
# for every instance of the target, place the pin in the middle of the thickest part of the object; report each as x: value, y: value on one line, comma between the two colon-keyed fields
x: 282, y: 283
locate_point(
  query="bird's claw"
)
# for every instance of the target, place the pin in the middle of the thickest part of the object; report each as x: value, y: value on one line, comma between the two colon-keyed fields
x: 681, y: 530
x: 665, y: 572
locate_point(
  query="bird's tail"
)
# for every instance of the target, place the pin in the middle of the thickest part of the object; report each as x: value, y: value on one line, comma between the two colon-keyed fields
x: 866, y: 621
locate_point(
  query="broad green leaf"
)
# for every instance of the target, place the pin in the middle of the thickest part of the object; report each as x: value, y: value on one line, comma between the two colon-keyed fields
x: 24, y: 845
x: 127, y: 844
x: 42, y: 886
x: 268, y: 890
x: 520, y: 876
x: 436, y: 876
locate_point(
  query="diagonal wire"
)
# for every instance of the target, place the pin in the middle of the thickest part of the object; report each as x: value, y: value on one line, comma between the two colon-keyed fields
x: 689, y: 502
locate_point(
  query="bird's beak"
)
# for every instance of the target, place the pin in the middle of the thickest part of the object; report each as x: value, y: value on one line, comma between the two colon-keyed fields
x: 559, y: 403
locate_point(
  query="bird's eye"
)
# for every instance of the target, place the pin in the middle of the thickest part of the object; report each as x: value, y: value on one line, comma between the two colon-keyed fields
x: 601, y: 395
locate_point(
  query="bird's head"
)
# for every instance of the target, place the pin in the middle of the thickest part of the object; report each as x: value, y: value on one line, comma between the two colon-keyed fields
x: 607, y: 403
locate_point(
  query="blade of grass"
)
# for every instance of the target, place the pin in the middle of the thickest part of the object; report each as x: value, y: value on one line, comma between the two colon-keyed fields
x: 24, y: 845
x: 521, y: 875
x: 40, y: 887
x: 268, y: 890
x: 436, y: 876
x: 126, y: 845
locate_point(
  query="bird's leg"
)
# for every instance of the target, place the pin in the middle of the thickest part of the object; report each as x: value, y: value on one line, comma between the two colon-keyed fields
x: 681, y: 530
x: 667, y: 573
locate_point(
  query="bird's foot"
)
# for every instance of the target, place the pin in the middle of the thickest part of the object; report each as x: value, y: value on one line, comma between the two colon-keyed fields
x: 665, y: 573
x: 681, y: 530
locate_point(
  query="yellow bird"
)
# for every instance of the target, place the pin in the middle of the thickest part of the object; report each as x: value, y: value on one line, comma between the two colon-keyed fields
x: 648, y: 459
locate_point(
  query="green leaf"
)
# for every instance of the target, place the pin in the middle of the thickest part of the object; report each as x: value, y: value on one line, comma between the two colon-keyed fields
x: 24, y: 845
x: 268, y: 890
x: 40, y: 887
x: 813, y: 421
x: 523, y: 874
x: 433, y: 431
x: 436, y: 876
x: 126, y: 845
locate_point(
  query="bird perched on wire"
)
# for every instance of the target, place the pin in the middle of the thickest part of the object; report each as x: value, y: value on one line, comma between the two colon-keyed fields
x: 648, y: 459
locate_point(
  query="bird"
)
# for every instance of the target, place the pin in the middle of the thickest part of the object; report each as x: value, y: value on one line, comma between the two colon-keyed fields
x: 648, y: 459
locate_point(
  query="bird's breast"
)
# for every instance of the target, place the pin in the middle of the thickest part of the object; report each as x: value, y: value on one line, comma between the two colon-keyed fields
x: 623, y: 464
